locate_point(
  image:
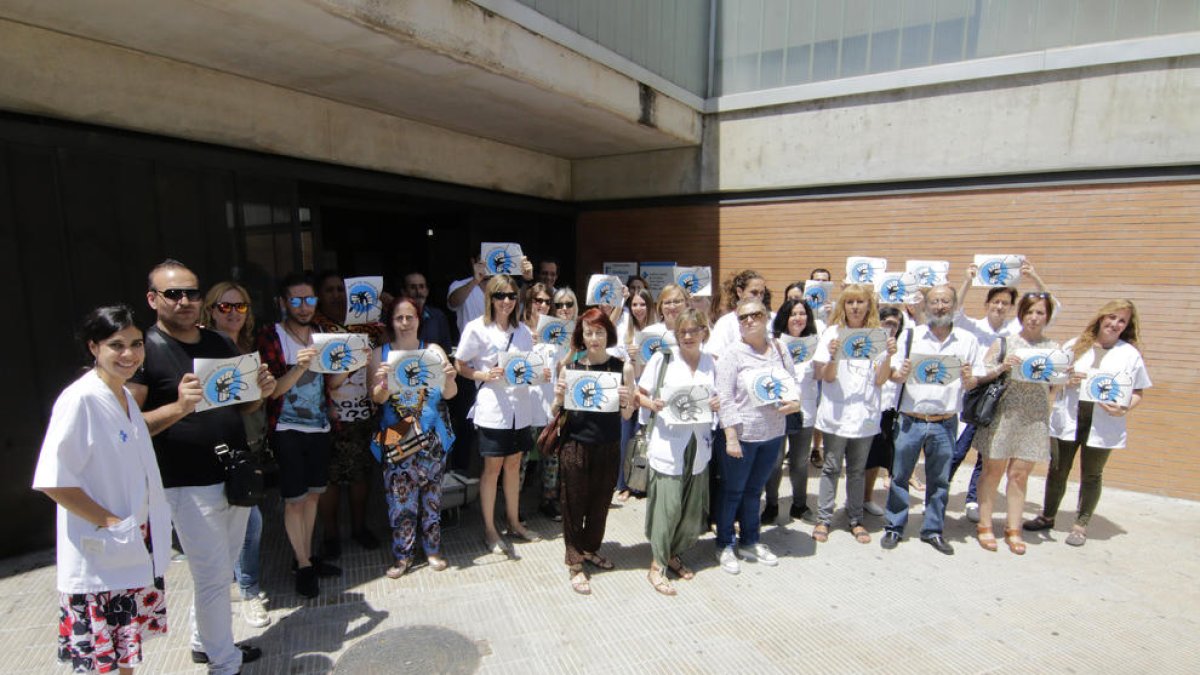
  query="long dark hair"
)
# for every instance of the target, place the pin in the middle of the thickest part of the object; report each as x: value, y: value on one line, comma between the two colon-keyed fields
x: 101, y: 323
x: 785, y: 312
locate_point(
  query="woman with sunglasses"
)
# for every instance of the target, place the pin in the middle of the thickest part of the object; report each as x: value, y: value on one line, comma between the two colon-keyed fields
x: 753, y: 433
x: 227, y: 311
x: 539, y: 299
x: 1019, y: 435
x: 502, y: 413
x: 1111, y: 344
x: 849, y: 412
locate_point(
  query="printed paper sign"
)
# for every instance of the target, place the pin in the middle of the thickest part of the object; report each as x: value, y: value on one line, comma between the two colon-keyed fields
x: 1044, y: 366
x: 861, y: 343
x: 592, y: 390
x: 621, y: 270
x: 929, y: 273
x: 801, y: 348
x: 650, y: 341
x: 686, y: 405
x: 227, y: 381
x: 897, y: 287
x: 340, y: 352
x: 553, y: 330
x: 770, y: 386
x: 415, y: 369
x: 524, y: 368
x: 501, y: 258
x: 657, y: 276
x: 604, y: 289
x: 860, y: 270
x: 362, y: 300
x: 941, y: 369
x: 997, y: 270
x: 695, y: 280
x: 1107, y: 387
x: 818, y: 294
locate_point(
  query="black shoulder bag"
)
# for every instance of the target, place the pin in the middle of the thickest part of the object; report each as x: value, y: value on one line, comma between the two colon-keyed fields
x: 981, y: 403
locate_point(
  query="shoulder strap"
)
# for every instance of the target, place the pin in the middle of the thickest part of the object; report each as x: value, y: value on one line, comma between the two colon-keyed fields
x: 662, y: 372
x: 908, y: 339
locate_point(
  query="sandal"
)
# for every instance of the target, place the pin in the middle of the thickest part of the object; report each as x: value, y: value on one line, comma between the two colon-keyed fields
x: 524, y: 534
x: 821, y: 533
x: 860, y: 534
x: 623, y: 496
x: 579, y: 580
x: 396, y: 571
x: 1077, y: 538
x: 1038, y: 524
x: 986, y: 539
x: 676, y: 565
x: 660, y: 582
x: 1012, y: 537
x: 602, y: 563
x: 437, y: 563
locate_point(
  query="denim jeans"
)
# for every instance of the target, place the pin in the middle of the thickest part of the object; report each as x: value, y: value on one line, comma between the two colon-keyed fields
x: 961, y: 447
x: 249, y: 564
x: 742, y: 483
x: 938, y: 440
x: 629, y: 427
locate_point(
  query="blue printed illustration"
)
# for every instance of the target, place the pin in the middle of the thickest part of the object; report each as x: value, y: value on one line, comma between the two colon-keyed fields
x: 1106, y: 389
x: 226, y: 384
x: 799, y: 351
x: 412, y: 372
x: 926, y: 275
x: 362, y: 299
x: 499, y: 261
x: 518, y: 371
x: 554, y: 333
x: 689, y: 281
x: 337, y: 356
x: 862, y: 273
x: 588, y: 394
x: 858, y: 346
x: 685, y: 404
x: 932, y: 371
x: 893, y: 290
x: 995, y: 272
x: 768, y: 388
x: 816, y: 297
x: 650, y: 346
x: 604, y: 293
x: 1037, y: 368
x: 408, y: 397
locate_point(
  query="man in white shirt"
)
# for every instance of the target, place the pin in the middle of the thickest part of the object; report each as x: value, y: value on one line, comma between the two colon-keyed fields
x: 928, y: 417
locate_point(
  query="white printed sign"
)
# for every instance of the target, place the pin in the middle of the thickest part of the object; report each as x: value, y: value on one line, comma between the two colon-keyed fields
x: 929, y: 273
x: 1107, y: 387
x: 770, y: 386
x: 362, y: 300
x: 695, y: 280
x: 415, y: 369
x: 997, y: 270
x: 524, y: 368
x: 340, y: 352
x: 1044, y: 366
x: 592, y: 390
x: 801, y: 348
x: 861, y: 270
x: 861, y: 343
x: 940, y: 369
x: 501, y: 258
x: 686, y: 405
x: 227, y: 381
x: 604, y: 289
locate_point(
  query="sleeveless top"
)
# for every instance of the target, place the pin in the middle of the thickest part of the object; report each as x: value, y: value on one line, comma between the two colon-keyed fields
x: 596, y: 427
x: 431, y: 416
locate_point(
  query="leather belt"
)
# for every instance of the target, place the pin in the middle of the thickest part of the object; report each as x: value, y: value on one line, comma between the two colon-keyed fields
x: 930, y: 418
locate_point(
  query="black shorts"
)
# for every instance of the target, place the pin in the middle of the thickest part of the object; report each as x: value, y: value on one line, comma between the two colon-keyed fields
x: 303, y: 462
x: 883, y: 446
x: 503, y: 442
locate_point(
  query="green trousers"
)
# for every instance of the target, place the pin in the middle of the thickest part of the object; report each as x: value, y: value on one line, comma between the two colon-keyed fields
x: 676, y: 509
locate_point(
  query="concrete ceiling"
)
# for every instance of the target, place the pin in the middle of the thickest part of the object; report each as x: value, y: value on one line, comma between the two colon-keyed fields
x: 449, y: 64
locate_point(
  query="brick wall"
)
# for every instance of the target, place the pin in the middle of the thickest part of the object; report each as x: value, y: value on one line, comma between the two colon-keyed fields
x: 1090, y: 244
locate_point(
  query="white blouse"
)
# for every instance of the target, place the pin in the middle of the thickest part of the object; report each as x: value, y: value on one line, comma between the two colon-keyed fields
x: 850, y: 405
x: 1107, y: 431
x: 93, y: 445
x: 669, y: 441
x: 497, y: 405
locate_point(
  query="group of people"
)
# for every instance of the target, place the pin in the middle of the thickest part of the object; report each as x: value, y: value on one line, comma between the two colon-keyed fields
x: 127, y: 456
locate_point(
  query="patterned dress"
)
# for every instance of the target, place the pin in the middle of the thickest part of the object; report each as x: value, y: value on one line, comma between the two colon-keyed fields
x: 1021, y: 429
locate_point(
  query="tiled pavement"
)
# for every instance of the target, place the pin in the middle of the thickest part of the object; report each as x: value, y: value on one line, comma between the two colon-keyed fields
x: 1126, y: 602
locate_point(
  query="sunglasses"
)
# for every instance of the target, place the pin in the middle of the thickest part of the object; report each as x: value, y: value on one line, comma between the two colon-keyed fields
x: 563, y: 305
x: 227, y: 307
x: 177, y: 294
x: 310, y: 300
x: 504, y: 296
x: 541, y: 301
x: 750, y: 316
x: 1039, y: 295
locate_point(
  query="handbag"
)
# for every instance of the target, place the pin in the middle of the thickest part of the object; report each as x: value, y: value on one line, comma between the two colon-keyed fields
x: 405, y: 438
x: 981, y: 403
x: 637, y: 461
x: 550, y: 439
x: 244, y: 484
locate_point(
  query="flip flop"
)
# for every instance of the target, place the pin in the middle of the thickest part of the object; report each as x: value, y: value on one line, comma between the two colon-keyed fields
x: 579, y: 580
x: 662, y: 585
x: 602, y: 563
x: 860, y: 534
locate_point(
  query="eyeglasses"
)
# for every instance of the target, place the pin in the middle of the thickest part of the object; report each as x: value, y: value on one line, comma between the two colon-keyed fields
x: 1037, y: 295
x: 504, y: 296
x: 541, y: 301
x: 310, y: 300
x: 672, y: 303
x: 750, y: 316
x: 227, y: 307
x: 563, y: 305
x: 689, y: 332
x: 177, y: 294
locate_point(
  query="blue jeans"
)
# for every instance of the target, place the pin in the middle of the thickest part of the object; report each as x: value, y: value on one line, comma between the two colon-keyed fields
x: 249, y: 565
x: 743, y: 480
x: 961, y: 448
x: 629, y: 427
x: 938, y: 440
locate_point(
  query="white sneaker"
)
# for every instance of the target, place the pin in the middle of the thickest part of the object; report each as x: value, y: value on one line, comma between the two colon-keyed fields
x: 728, y: 560
x: 254, y: 613
x: 873, y: 508
x: 759, y: 553
x: 973, y: 512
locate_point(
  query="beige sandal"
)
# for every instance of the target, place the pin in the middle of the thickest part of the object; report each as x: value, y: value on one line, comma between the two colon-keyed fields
x: 660, y: 582
x: 579, y: 580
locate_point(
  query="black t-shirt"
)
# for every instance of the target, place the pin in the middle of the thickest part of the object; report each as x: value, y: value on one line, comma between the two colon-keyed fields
x: 596, y: 427
x: 185, y: 449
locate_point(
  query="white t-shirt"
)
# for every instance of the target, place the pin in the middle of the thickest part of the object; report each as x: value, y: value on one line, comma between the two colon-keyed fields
x: 667, y: 445
x: 850, y: 405
x: 304, y: 404
x: 936, y: 399
x: 1107, y: 431
x: 810, y: 393
x: 542, y: 395
x: 91, y: 444
x: 471, y: 308
x: 724, y: 332
x: 497, y: 406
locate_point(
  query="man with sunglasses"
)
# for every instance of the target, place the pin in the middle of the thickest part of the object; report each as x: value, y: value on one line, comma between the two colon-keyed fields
x: 210, y: 530
x: 298, y: 416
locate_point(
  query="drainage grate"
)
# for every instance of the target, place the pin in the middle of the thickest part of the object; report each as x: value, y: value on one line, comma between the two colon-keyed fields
x: 416, y: 649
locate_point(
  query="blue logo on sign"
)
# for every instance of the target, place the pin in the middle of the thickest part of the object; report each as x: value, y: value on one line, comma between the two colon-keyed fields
x: 893, y: 290
x: 588, y: 394
x: 932, y: 371
x: 650, y: 346
x: 816, y: 297
x: 412, y: 373
x: 799, y: 352
x: 605, y: 294
x: 926, y: 276
x: 1106, y: 389
x: 555, y: 334
x: 995, y: 273
x: 858, y: 347
x: 337, y: 356
x: 224, y: 385
x: 1037, y: 369
x: 768, y: 388
x: 689, y: 281
x: 518, y: 372
x: 362, y: 298
x: 862, y: 273
x: 498, y: 261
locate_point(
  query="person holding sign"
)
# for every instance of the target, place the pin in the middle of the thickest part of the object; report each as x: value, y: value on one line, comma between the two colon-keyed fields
x: 114, y: 526
x: 754, y: 422
x: 939, y: 363
x: 538, y: 299
x: 677, y: 496
x: 502, y: 413
x: 590, y: 449
x: 413, y: 483
x: 849, y: 411
x: 795, y: 318
x: 1110, y: 345
x: 1018, y: 436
